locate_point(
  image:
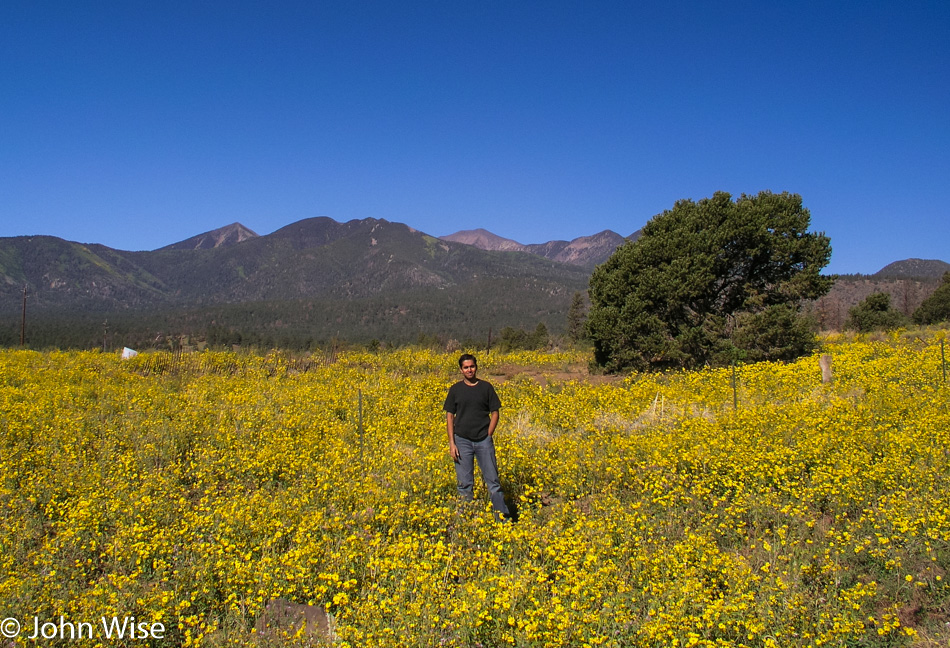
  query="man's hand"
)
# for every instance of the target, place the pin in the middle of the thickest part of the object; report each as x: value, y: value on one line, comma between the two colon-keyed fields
x: 492, y: 423
x: 454, y: 452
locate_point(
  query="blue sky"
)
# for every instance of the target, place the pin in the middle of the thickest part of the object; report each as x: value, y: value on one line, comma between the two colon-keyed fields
x: 138, y: 124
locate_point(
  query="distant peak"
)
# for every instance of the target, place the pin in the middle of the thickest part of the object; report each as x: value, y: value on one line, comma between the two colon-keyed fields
x: 914, y: 268
x: 222, y: 237
x: 483, y: 239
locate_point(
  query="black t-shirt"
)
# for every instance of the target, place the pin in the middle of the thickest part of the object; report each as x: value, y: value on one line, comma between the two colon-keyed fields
x: 472, y: 406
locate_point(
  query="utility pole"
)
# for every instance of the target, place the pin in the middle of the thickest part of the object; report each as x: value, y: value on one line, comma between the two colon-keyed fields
x: 23, y: 321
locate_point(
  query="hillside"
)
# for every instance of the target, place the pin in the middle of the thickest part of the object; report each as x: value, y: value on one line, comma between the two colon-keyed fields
x: 914, y: 269
x: 849, y: 290
x: 311, y: 280
x: 68, y: 275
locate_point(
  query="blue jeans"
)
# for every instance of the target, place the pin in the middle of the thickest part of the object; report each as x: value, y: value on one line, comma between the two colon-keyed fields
x: 484, y: 452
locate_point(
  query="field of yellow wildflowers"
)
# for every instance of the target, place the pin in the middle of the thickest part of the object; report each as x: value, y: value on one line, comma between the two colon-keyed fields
x: 191, y: 490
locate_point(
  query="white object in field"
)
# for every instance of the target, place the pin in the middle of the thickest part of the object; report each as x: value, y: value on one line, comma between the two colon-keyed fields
x: 128, y: 353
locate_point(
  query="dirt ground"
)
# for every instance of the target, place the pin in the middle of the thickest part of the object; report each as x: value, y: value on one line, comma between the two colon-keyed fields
x: 543, y: 377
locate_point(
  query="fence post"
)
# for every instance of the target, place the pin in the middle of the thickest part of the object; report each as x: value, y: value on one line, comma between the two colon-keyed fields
x: 23, y: 321
x: 360, y: 419
x: 735, y: 394
x: 825, y: 363
x: 943, y: 359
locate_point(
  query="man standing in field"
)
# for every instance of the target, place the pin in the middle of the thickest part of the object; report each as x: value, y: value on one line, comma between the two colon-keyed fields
x: 471, y: 415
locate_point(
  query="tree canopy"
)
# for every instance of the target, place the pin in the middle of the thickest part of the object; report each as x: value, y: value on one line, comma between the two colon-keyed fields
x: 935, y: 308
x: 708, y: 282
x: 513, y: 339
x: 875, y: 313
x: 576, y: 316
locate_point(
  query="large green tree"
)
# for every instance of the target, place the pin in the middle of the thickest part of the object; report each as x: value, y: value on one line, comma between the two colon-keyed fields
x: 708, y: 282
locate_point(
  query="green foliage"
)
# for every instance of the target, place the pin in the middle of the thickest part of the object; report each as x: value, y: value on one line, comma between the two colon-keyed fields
x: 778, y: 333
x: 875, y: 314
x: 935, y: 308
x: 703, y: 279
x: 300, y: 324
x: 576, y: 318
x: 516, y: 339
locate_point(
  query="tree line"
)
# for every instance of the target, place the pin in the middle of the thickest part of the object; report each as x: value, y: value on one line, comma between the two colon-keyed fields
x: 876, y: 312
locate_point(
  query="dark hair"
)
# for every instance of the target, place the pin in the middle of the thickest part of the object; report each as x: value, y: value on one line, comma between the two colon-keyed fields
x: 467, y: 356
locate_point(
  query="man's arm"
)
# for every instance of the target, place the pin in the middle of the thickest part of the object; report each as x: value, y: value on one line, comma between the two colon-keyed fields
x: 450, y: 428
x: 492, y: 423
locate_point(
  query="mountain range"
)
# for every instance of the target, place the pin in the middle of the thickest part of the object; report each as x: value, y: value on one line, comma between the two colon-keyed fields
x: 302, y: 284
x: 585, y: 251
x: 311, y: 281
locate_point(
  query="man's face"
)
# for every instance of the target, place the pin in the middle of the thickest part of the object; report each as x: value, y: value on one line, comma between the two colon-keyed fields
x: 468, y: 369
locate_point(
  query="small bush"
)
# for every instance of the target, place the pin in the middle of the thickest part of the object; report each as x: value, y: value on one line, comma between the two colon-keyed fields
x: 875, y: 314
